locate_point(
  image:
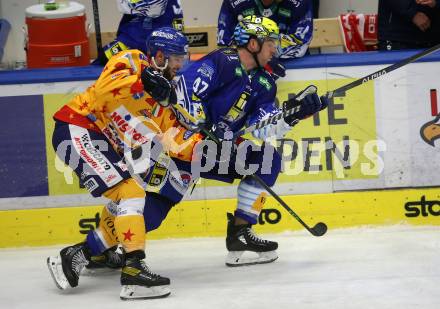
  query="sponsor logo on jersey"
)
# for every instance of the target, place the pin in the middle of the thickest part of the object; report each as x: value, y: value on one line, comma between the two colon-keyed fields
x: 132, y: 128
x: 295, y: 3
x: 112, y: 134
x: 96, y: 160
x: 182, y: 184
x: 228, y: 51
x: 114, y: 49
x: 121, y: 164
x: 146, y: 113
x: 265, y: 83
x: 248, y: 12
x: 232, y: 58
x: 178, y: 24
x: 237, y: 109
x: 112, y: 208
x: 267, y: 12
x: 236, y: 2
x: 116, y: 75
x: 158, y: 174
x: 90, y: 154
x: 284, y: 12
x: 238, y: 72
x: 110, y: 178
x: 206, y: 70
x: 91, y: 184
x: 157, y: 177
x: 83, y: 175
x: 162, y: 34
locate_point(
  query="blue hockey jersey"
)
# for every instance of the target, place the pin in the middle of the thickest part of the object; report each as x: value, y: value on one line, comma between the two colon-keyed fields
x: 137, y: 25
x: 230, y: 97
x: 294, y: 18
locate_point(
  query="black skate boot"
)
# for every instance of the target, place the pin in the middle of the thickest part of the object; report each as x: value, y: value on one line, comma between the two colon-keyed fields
x: 110, y: 260
x: 241, y: 239
x: 138, y: 282
x: 66, y: 267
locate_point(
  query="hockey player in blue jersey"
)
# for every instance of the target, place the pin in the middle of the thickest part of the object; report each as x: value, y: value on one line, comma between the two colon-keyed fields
x: 140, y: 19
x: 293, y: 17
x: 225, y: 91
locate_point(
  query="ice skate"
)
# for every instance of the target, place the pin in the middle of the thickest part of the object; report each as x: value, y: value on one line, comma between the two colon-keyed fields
x: 245, y: 247
x: 139, y: 282
x: 66, y: 267
x: 111, y: 261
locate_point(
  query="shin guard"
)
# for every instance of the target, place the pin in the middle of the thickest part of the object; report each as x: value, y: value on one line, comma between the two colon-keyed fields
x: 251, y: 200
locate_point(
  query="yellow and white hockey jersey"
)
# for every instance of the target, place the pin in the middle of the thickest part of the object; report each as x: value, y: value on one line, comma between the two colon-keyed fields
x: 117, y: 105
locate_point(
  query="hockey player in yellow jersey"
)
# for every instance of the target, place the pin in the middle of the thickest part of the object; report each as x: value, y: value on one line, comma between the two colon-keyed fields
x: 124, y: 109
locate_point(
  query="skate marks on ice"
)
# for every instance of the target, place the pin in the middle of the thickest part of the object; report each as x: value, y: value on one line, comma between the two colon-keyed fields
x: 391, y: 267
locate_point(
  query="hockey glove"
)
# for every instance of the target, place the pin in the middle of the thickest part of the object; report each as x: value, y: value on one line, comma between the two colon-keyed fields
x: 306, y: 103
x: 275, y: 68
x: 156, y: 85
x: 291, y: 47
x: 289, y: 40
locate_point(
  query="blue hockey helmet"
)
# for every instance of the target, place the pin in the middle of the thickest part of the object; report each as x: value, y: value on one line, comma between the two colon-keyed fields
x: 168, y: 40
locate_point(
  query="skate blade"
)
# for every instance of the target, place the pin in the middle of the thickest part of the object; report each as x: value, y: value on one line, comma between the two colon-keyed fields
x: 56, y: 271
x: 245, y: 258
x: 137, y: 292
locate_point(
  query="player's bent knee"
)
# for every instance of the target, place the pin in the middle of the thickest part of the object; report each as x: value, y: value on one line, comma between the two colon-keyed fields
x: 156, y: 210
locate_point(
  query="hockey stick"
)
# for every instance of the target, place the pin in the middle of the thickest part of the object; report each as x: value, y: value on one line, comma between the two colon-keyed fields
x: 318, y: 230
x: 341, y: 90
x: 97, y: 26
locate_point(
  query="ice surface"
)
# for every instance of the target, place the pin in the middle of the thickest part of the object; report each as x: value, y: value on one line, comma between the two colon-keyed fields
x: 386, y: 267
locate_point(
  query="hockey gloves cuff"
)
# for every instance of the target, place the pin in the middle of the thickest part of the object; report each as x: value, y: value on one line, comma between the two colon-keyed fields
x: 306, y: 103
x: 277, y: 130
x: 275, y: 68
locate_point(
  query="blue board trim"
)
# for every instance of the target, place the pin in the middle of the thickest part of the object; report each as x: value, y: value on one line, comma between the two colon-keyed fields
x: 32, y: 76
x: 357, y: 59
x: 23, y: 165
x: 53, y: 75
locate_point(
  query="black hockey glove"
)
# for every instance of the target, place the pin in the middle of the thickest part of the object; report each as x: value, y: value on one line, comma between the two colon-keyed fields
x: 276, y: 68
x: 307, y: 103
x: 156, y: 85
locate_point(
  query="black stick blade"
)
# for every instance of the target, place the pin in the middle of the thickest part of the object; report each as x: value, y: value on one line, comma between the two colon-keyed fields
x: 319, y: 229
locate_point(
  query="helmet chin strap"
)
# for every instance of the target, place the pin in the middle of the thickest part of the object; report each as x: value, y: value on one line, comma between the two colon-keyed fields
x: 159, y: 67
